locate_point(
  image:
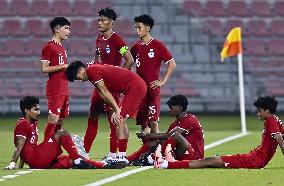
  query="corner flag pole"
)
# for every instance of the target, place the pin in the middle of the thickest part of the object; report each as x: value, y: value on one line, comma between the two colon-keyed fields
x: 241, y: 93
x: 233, y: 47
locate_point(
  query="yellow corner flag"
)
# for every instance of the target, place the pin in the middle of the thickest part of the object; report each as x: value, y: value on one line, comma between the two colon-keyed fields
x: 233, y: 44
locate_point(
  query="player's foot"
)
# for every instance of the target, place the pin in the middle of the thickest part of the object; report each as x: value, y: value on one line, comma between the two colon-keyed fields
x: 109, y: 156
x: 83, y: 165
x: 168, y: 153
x: 122, y: 159
x: 158, y: 157
x: 142, y: 161
x: 114, y: 164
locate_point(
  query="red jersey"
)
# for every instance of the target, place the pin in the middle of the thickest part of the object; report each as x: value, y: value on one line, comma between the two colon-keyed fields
x: 194, y: 133
x: 148, y: 58
x: 115, y: 78
x: 268, y: 146
x: 109, y: 48
x: 57, y: 83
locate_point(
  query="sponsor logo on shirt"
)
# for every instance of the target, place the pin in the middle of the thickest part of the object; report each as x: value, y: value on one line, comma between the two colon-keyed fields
x: 151, y: 53
x: 107, y: 49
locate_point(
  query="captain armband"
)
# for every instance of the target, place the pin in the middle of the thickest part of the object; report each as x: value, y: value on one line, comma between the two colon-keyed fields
x: 123, y: 50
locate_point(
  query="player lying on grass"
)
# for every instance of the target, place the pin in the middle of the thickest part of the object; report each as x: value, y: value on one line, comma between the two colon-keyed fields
x: 257, y: 158
x: 48, y: 154
x: 106, y: 79
x: 185, y: 135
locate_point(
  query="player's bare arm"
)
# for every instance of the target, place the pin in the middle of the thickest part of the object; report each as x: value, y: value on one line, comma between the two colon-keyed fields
x: 170, y: 69
x: 161, y: 136
x: 280, y: 141
x: 129, y: 61
x: 108, y: 98
x: 21, y: 164
x: 20, y: 143
x: 45, y: 68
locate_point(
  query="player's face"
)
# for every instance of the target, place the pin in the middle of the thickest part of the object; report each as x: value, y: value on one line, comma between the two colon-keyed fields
x: 262, y: 114
x: 104, y: 24
x: 63, y: 32
x: 174, y: 110
x: 33, y: 114
x: 141, y: 30
x: 81, y: 74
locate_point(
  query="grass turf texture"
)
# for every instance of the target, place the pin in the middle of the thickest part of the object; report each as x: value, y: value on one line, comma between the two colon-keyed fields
x: 215, y: 127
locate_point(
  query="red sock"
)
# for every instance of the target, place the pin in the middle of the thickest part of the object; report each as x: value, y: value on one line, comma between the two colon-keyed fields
x: 49, y: 130
x: 122, y: 145
x: 171, y: 141
x: 70, y: 147
x: 91, y: 133
x: 58, y: 127
x: 138, y: 153
x: 178, y: 164
x: 95, y: 163
x: 113, y: 143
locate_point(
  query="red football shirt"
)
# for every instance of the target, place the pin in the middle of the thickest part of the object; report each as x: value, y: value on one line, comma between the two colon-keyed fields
x: 148, y: 58
x: 193, y: 132
x: 109, y: 49
x: 57, y: 83
x: 27, y: 130
x: 268, y: 146
x: 115, y: 78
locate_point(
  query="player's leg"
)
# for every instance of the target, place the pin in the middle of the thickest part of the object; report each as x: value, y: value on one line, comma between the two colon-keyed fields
x: 182, y: 145
x: 154, y: 111
x: 63, y: 114
x: 96, y: 107
x: 146, y: 148
x: 113, y: 141
x: 141, y: 118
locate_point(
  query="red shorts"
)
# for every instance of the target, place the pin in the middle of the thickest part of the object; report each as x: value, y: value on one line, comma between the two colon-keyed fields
x: 58, y: 105
x: 133, y: 98
x: 149, y: 110
x: 190, y: 154
x: 246, y: 161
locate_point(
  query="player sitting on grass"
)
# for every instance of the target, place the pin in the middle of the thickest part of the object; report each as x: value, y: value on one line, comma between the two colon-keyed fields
x: 48, y: 153
x: 185, y: 135
x: 258, y: 158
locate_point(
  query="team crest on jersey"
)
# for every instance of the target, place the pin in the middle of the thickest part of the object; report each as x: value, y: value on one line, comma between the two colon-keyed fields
x: 107, y: 49
x: 151, y: 53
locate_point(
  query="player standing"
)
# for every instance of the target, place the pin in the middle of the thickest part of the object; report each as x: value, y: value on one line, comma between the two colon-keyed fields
x: 257, y: 158
x: 104, y: 78
x: 149, y: 53
x: 110, y: 48
x: 48, y: 153
x: 54, y: 63
x: 185, y: 135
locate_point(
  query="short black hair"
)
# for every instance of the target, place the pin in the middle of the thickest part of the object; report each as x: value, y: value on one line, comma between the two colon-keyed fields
x: 266, y: 102
x: 58, y: 21
x: 178, y: 100
x: 145, y: 19
x: 28, y: 102
x: 107, y: 12
x: 72, y: 70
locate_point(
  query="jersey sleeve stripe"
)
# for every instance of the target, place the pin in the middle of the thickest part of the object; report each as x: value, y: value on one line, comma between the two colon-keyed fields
x: 179, y: 128
x: 169, y: 61
x: 95, y: 82
x: 21, y: 136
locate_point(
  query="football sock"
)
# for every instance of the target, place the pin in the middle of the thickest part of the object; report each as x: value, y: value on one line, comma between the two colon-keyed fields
x: 91, y: 133
x: 122, y: 145
x: 58, y: 127
x: 113, y: 143
x: 138, y: 153
x: 97, y: 164
x: 178, y: 164
x: 70, y: 147
x: 122, y: 154
x: 112, y: 155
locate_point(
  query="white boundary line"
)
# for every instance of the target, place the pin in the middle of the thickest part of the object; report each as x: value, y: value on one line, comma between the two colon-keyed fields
x: 127, y: 173
x: 16, y: 174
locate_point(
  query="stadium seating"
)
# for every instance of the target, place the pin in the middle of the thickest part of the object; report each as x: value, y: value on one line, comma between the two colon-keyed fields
x: 21, y: 8
x: 277, y: 27
x: 83, y: 8
x: 14, y: 27
x: 238, y: 8
x: 260, y: 8
x: 42, y: 7
x: 278, y: 8
x: 215, y: 8
x: 192, y: 8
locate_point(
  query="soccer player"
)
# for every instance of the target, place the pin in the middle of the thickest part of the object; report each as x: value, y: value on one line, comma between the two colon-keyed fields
x: 48, y: 153
x: 54, y: 63
x: 257, y: 158
x: 149, y: 53
x: 110, y: 48
x: 105, y: 79
x: 185, y: 135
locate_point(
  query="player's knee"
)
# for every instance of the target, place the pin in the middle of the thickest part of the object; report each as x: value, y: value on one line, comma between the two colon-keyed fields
x: 52, y: 118
x: 176, y: 135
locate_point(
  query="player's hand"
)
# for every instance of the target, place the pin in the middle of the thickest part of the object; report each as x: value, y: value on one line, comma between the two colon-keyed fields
x: 156, y: 84
x: 65, y: 66
x: 52, y: 118
x: 11, y: 166
x: 141, y: 134
x: 116, y: 117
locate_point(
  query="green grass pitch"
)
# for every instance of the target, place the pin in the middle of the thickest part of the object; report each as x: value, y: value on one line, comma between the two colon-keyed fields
x: 215, y: 127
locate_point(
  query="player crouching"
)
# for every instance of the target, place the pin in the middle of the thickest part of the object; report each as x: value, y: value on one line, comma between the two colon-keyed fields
x: 258, y: 158
x: 48, y: 154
